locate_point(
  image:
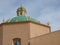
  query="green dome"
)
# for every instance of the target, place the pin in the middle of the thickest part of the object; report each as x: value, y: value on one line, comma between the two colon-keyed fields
x: 21, y: 19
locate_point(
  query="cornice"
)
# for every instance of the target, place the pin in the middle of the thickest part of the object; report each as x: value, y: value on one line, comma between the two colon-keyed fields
x: 24, y: 22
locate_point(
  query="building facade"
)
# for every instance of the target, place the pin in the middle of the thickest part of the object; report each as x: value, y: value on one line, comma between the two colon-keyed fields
x: 25, y: 30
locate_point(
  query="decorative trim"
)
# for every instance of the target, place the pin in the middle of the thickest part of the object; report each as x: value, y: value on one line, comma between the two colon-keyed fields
x: 24, y: 22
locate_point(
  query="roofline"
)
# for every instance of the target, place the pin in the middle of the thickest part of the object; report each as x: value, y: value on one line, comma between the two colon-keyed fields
x: 24, y: 22
x: 45, y: 34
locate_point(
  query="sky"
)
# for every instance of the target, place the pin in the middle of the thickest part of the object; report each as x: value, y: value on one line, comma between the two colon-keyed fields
x: 43, y: 10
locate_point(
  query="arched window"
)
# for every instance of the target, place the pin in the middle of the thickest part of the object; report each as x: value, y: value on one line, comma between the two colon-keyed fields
x: 17, y: 41
x: 20, y: 13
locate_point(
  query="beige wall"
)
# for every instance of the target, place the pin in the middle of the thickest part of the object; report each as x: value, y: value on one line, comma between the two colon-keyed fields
x: 11, y: 31
x: 37, y: 30
x: 1, y: 35
x: 23, y: 30
x: 48, y: 39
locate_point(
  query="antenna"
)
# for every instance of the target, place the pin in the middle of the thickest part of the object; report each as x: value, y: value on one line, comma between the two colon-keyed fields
x: 48, y: 23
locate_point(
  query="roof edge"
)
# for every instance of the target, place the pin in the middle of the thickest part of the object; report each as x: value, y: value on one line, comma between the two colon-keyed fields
x: 25, y: 22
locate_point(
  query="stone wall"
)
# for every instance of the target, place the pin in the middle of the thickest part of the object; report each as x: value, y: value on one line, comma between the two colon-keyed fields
x: 47, y: 39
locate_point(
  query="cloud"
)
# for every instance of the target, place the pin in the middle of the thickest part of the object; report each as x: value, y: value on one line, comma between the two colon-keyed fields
x: 52, y: 16
x: 6, y: 8
x: 43, y: 10
x: 46, y: 11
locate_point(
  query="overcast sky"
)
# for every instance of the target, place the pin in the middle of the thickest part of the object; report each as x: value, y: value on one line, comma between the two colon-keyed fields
x: 43, y: 10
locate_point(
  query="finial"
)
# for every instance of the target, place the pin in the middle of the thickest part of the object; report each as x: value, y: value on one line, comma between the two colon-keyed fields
x: 28, y: 18
x: 48, y: 23
x: 38, y: 21
x: 16, y: 20
x: 3, y: 20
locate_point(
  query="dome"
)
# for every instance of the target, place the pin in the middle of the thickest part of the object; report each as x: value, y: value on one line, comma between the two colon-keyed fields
x: 21, y: 16
x: 21, y: 19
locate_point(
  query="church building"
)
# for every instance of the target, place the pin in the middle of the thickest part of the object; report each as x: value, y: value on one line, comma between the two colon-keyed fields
x: 25, y: 30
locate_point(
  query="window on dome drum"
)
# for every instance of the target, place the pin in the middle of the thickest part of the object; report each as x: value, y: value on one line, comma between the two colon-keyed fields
x: 17, y: 41
x: 20, y: 13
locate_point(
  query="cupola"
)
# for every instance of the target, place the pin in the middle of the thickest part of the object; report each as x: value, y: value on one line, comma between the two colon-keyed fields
x: 21, y: 11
